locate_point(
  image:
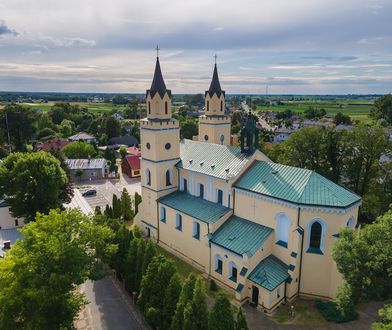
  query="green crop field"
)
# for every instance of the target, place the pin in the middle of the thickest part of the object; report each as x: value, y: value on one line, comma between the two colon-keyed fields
x: 356, y: 109
x: 93, y: 107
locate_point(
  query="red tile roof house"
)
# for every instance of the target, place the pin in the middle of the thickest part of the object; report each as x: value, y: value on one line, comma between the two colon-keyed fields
x: 134, y: 151
x: 130, y: 165
x: 55, y: 144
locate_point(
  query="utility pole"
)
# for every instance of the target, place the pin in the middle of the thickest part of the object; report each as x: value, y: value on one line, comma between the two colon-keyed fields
x: 8, y: 132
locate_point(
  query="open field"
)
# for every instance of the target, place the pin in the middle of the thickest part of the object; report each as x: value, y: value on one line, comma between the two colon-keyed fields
x: 356, y: 109
x: 92, y: 107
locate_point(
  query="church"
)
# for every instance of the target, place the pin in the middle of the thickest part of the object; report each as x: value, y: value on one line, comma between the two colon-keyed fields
x: 261, y: 230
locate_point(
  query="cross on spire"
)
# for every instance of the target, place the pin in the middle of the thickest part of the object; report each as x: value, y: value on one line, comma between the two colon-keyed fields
x: 215, y: 56
x: 157, y: 49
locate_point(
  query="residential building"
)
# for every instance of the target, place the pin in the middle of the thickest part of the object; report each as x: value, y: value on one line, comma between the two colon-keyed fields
x: 130, y: 165
x: 54, y: 144
x: 87, y: 169
x: 82, y: 136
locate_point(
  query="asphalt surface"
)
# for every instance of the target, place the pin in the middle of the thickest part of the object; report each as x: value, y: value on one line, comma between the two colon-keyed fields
x: 109, y: 308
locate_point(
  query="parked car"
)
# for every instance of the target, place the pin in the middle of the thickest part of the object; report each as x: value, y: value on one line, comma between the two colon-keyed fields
x: 90, y: 192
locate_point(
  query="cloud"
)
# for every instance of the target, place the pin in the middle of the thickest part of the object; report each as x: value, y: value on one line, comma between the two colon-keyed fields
x: 71, y: 42
x: 4, y: 29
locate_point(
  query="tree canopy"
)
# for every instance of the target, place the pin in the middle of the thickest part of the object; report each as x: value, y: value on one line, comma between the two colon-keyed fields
x: 40, y: 274
x: 383, y: 108
x: 22, y: 175
x: 79, y: 150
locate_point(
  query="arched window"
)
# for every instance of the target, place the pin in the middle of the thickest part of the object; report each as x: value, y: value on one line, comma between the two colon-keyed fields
x: 221, y: 105
x: 168, y: 178
x: 351, y: 222
x: 316, y: 236
x: 218, y: 263
x: 149, y: 107
x: 233, y: 271
x: 282, y: 229
x: 148, y: 177
x: 200, y: 190
x: 166, y: 108
x: 208, y: 105
x: 219, y: 196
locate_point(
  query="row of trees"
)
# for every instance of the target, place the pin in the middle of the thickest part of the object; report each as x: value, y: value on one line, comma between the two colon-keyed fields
x: 350, y: 158
x: 364, y: 260
x: 164, y: 299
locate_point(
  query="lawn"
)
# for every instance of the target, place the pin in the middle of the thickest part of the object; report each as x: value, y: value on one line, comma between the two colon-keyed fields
x: 356, y: 109
x: 306, y: 313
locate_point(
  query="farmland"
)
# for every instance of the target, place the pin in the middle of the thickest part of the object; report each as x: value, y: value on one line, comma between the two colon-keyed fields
x: 92, y: 107
x: 357, y: 109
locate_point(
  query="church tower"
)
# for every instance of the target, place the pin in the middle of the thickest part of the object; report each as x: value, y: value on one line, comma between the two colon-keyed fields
x: 214, y: 125
x: 160, y: 149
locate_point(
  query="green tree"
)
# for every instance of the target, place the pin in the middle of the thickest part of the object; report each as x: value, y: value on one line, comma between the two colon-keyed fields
x: 241, y: 323
x: 18, y: 120
x: 386, y: 316
x: 199, y: 315
x: 345, y: 303
x: 116, y: 206
x: 221, y: 315
x: 40, y: 274
x: 189, y: 128
x: 383, y: 108
x: 79, y: 150
x: 172, y: 294
x: 123, y: 151
x: 150, y: 252
x: 139, y: 263
x: 185, y: 297
x: 138, y: 200
x: 22, y: 175
x: 113, y: 127
x: 156, y: 279
x: 119, y: 99
x: 126, y: 206
x: 122, y: 239
x: 365, y: 261
x: 342, y: 119
x: 131, y: 265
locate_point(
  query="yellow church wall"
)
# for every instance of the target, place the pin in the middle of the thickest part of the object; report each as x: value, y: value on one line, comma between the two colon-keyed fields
x: 213, y: 128
x: 260, y: 254
x: 157, y: 106
x: 319, y: 273
x: 182, y: 242
x: 213, y: 105
x: 268, y: 300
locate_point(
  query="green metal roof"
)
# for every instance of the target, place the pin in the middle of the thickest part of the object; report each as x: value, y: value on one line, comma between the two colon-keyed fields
x: 196, y: 207
x: 269, y: 273
x: 295, y: 185
x: 212, y: 159
x: 241, y: 236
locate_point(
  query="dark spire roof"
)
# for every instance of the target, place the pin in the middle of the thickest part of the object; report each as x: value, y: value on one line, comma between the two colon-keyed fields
x: 158, y: 84
x: 215, y: 86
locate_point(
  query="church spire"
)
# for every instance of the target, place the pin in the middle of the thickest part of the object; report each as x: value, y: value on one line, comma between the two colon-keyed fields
x: 158, y: 84
x: 215, y: 86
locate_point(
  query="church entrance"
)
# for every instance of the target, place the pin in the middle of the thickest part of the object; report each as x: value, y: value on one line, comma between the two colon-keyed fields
x: 255, y: 295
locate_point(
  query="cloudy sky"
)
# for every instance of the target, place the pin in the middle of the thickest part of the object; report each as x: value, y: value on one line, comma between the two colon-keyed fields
x: 293, y: 46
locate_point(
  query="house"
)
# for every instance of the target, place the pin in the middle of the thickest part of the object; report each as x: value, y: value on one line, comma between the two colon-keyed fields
x: 130, y: 165
x: 262, y: 230
x: 54, y: 144
x: 87, y: 169
x: 118, y: 141
x: 133, y: 151
x: 118, y: 117
x: 311, y: 123
x: 82, y: 136
x: 282, y: 134
x: 8, y: 228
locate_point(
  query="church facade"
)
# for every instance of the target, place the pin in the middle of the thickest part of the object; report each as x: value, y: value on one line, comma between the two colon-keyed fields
x: 262, y: 230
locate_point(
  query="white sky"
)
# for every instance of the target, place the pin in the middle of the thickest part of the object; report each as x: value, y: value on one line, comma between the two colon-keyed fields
x: 296, y: 46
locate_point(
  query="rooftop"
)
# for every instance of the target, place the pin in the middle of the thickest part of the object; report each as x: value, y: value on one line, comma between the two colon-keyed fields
x: 269, y: 273
x: 241, y: 236
x: 212, y: 159
x: 295, y: 185
x: 215, y: 87
x: 8, y: 235
x: 85, y: 164
x: 158, y: 84
x: 196, y: 207
x: 133, y: 161
x: 81, y: 136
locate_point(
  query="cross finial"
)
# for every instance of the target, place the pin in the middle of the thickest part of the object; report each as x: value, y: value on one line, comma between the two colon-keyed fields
x: 215, y: 56
x: 157, y: 49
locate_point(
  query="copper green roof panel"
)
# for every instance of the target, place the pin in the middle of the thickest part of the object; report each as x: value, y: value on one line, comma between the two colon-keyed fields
x: 196, y: 207
x: 269, y: 273
x: 295, y: 185
x: 241, y: 236
x: 212, y: 159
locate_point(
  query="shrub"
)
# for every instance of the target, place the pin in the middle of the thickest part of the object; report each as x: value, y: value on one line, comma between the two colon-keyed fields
x: 213, y: 286
x: 330, y: 312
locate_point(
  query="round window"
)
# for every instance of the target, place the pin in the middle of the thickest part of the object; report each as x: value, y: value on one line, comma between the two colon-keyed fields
x: 206, y: 137
x: 148, y: 145
x: 222, y: 137
x: 167, y: 146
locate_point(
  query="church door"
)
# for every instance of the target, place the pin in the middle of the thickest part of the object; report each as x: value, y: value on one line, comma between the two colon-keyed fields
x: 255, y: 295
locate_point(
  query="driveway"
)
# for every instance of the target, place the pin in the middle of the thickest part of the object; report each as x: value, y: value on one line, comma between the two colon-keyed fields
x: 110, y: 308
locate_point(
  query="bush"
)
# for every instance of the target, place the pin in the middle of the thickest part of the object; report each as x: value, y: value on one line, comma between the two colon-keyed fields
x: 213, y: 286
x: 330, y: 312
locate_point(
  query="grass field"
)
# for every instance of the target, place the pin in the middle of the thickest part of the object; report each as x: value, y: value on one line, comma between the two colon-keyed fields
x: 92, y: 107
x: 356, y: 109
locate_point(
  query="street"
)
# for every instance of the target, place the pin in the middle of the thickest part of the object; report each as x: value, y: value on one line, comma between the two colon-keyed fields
x: 109, y: 308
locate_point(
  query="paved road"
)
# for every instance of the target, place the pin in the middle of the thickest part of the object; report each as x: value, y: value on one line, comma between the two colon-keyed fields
x: 109, y: 308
